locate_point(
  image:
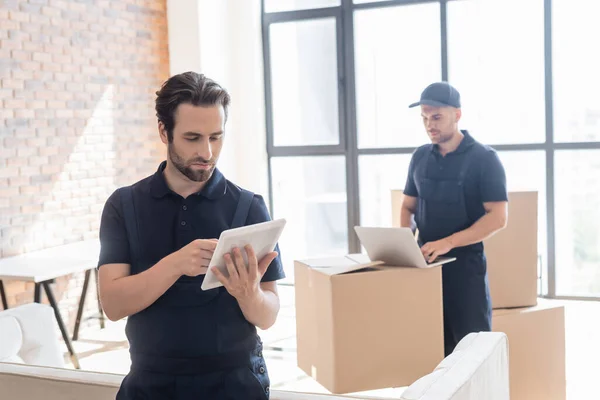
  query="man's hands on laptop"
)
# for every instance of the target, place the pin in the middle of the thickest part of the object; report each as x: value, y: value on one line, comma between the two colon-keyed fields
x: 432, y: 250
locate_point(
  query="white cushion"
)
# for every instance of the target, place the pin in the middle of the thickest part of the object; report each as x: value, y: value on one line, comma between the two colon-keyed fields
x: 477, y: 369
x: 40, y: 343
x: 12, y: 339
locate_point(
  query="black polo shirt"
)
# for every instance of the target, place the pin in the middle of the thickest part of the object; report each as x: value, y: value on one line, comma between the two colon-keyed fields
x: 485, y: 180
x: 167, y: 222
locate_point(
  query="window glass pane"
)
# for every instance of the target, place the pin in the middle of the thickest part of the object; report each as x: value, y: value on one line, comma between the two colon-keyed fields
x: 378, y: 176
x: 526, y: 171
x: 577, y: 213
x: 393, y: 65
x: 367, y: 1
x: 304, y: 83
x: 575, y: 71
x: 498, y: 71
x: 291, y: 5
x: 314, y: 205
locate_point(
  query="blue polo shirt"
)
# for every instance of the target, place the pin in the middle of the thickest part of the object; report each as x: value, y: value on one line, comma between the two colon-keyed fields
x: 485, y: 180
x: 185, y: 321
x: 167, y: 222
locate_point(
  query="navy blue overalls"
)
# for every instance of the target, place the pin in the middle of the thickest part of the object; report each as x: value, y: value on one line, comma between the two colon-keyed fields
x: 227, y: 360
x: 442, y: 211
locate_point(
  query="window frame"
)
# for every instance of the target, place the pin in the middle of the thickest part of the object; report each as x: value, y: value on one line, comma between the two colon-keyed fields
x: 348, y: 143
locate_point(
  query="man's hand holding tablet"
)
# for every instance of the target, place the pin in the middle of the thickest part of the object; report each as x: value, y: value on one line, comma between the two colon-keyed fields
x: 246, y: 264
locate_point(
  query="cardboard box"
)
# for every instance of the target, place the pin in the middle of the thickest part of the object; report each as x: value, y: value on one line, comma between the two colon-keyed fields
x: 364, y: 326
x: 512, y: 253
x: 536, y: 342
x: 397, y: 196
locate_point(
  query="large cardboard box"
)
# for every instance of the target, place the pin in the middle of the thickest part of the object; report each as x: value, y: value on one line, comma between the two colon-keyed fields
x: 536, y: 342
x: 512, y: 253
x: 364, y: 326
x: 397, y: 196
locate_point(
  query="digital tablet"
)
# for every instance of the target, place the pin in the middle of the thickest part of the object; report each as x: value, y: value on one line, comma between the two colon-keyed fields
x: 262, y: 237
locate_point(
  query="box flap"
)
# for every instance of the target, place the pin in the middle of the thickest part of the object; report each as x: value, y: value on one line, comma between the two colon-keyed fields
x: 341, y: 265
x: 359, y: 258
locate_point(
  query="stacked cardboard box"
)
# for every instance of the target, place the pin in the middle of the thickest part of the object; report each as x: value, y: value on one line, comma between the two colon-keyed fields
x: 512, y: 254
x: 536, y: 332
x: 536, y: 341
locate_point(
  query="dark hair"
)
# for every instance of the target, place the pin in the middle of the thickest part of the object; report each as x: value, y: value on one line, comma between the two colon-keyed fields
x: 191, y: 88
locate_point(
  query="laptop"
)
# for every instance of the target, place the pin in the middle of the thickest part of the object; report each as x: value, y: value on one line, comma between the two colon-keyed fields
x: 395, y: 246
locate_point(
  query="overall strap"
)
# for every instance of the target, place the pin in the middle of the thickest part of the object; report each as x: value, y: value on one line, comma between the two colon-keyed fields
x: 426, y: 157
x: 472, y: 154
x: 130, y: 222
x: 243, y: 207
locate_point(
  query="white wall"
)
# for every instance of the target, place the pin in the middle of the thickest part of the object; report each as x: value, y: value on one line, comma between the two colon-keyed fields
x: 222, y: 39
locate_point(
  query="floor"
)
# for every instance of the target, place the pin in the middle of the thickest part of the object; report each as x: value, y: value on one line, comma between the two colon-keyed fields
x: 107, y: 350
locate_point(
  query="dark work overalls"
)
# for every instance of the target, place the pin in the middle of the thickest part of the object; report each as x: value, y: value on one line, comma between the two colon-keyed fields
x: 225, y: 359
x: 442, y: 211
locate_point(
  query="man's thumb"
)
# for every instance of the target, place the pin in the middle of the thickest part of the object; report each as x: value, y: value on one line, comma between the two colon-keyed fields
x: 265, y: 262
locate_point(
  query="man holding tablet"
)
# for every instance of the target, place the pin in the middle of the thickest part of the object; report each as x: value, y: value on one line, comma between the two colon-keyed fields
x: 157, y: 239
x: 456, y: 190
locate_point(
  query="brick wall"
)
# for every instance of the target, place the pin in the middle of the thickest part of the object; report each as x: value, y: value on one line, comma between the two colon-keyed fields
x: 77, y: 83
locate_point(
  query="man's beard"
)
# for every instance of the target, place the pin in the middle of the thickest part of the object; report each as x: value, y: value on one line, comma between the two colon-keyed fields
x: 442, y: 137
x: 186, y: 170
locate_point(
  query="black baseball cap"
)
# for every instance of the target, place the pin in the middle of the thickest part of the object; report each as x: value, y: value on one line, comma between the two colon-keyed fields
x: 439, y: 94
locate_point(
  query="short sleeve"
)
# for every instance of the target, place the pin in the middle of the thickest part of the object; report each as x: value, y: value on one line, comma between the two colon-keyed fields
x: 492, y: 184
x: 259, y: 213
x: 114, y: 246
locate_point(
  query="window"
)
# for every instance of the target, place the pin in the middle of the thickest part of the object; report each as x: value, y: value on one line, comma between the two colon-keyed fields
x: 342, y: 134
x: 575, y: 71
x: 314, y: 205
x: 499, y: 72
x: 393, y: 65
x: 304, y: 83
x: 577, y: 210
x: 379, y: 175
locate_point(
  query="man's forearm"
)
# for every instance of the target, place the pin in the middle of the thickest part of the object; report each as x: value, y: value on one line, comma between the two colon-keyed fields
x: 261, y: 310
x: 483, y: 228
x: 131, y: 294
x: 406, y: 217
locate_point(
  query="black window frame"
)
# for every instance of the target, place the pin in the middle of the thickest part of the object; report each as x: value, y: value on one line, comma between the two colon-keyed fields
x: 348, y: 143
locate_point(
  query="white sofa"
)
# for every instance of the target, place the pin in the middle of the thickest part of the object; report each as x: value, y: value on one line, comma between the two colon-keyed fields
x: 31, y: 367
